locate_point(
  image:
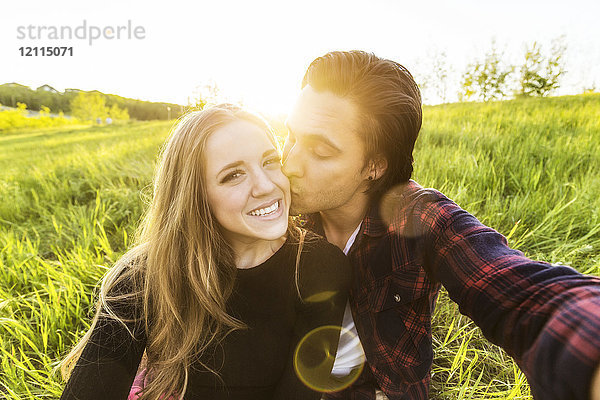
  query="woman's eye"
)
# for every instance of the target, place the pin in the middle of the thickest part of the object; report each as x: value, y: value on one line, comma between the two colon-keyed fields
x: 273, y: 160
x: 231, y: 176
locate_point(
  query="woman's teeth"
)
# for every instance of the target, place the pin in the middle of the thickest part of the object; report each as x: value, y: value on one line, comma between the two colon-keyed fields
x: 264, y: 211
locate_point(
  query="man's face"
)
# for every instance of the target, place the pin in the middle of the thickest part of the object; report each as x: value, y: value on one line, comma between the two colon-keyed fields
x: 323, y: 156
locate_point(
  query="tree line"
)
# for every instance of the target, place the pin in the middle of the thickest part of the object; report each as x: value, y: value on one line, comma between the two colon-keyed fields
x: 108, y: 104
x: 539, y: 73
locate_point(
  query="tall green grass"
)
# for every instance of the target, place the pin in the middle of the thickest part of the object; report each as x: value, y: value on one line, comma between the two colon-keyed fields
x: 529, y: 168
x: 70, y: 199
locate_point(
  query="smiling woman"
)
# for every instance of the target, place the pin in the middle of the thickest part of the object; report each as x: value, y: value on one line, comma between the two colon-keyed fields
x: 220, y: 289
x: 246, y: 190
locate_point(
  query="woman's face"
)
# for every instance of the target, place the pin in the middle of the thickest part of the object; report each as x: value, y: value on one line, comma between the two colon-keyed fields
x: 247, y: 192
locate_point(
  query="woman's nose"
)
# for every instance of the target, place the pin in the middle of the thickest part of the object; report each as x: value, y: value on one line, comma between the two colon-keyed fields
x: 262, y: 184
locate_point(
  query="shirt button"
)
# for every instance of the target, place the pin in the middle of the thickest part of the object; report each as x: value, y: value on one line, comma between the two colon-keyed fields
x: 397, y: 298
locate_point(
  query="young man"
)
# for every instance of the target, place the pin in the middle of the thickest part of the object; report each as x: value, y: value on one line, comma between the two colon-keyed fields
x: 349, y: 160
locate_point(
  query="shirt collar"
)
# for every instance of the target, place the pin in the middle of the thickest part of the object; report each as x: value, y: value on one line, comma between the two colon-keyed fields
x: 372, y: 224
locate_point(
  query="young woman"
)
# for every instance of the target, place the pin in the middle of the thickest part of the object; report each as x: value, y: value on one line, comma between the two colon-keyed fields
x: 220, y: 288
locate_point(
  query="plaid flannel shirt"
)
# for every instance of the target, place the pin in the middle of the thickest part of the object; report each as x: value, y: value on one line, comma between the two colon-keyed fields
x: 546, y: 317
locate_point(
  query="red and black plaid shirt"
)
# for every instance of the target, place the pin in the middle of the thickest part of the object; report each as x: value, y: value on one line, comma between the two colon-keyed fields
x: 547, y: 317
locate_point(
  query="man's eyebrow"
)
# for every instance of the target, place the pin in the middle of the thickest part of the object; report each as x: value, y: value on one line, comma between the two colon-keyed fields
x: 315, y: 137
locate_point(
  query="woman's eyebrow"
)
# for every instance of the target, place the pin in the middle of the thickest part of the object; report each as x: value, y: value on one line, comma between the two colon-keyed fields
x: 238, y: 163
x: 230, y: 165
x: 269, y: 152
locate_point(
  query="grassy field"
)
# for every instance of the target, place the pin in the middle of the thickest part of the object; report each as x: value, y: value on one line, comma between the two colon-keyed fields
x: 70, y: 199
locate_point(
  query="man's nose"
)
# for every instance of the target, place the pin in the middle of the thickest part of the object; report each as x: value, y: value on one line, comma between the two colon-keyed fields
x: 262, y: 184
x: 291, y: 162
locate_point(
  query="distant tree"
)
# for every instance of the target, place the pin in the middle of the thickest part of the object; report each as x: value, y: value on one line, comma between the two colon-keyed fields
x: 12, y: 93
x: 440, y: 75
x: 423, y: 80
x: 45, y: 95
x: 540, y: 74
x: 487, y: 79
x: 117, y: 113
x: 431, y: 74
x: 89, y: 106
x: 589, y: 89
x: 44, y: 111
x: 208, y: 94
x: 22, y: 108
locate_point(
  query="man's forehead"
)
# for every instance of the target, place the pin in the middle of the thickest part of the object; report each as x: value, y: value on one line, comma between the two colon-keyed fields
x: 321, y: 111
x: 312, y: 118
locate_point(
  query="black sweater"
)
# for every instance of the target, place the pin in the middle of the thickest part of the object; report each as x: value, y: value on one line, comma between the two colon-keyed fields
x: 254, y: 363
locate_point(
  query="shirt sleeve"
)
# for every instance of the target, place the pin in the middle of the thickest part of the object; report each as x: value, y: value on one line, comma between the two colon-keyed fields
x: 324, y: 282
x: 109, y: 361
x: 545, y: 316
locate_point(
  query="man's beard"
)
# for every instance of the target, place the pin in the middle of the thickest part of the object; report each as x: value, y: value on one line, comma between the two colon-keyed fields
x: 296, y: 206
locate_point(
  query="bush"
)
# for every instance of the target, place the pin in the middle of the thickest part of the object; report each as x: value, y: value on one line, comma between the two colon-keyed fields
x: 11, y: 93
x: 91, y: 106
x: 19, y: 118
x: 540, y: 74
x: 487, y: 79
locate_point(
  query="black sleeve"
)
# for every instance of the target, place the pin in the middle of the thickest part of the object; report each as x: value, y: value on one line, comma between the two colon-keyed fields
x: 324, y: 283
x: 108, y: 364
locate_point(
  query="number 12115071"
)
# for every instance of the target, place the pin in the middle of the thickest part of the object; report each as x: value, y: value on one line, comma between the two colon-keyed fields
x: 47, y: 51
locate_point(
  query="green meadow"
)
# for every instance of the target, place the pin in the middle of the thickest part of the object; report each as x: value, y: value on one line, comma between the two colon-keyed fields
x: 71, y: 198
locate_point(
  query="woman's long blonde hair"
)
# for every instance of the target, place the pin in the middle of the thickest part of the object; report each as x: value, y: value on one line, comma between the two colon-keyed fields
x: 181, y: 270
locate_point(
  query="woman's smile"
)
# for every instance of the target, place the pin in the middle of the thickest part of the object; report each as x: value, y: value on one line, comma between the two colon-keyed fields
x: 273, y: 209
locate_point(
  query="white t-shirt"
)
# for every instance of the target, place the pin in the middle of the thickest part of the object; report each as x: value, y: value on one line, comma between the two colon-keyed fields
x: 350, y: 353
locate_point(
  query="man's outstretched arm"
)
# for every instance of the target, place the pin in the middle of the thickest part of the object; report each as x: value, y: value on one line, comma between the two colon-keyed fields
x: 546, y: 317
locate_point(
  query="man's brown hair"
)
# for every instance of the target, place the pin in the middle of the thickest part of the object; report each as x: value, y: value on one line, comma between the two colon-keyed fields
x: 389, y: 102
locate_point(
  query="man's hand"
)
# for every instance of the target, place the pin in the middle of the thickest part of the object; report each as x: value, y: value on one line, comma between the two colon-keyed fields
x: 595, y: 392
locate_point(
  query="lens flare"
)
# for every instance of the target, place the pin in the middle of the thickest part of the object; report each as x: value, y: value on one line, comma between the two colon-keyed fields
x: 321, y: 296
x: 392, y: 209
x: 315, y: 355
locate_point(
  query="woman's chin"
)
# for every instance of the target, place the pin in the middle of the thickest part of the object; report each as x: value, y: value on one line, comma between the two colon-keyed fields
x: 274, y: 232
x: 269, y: 227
